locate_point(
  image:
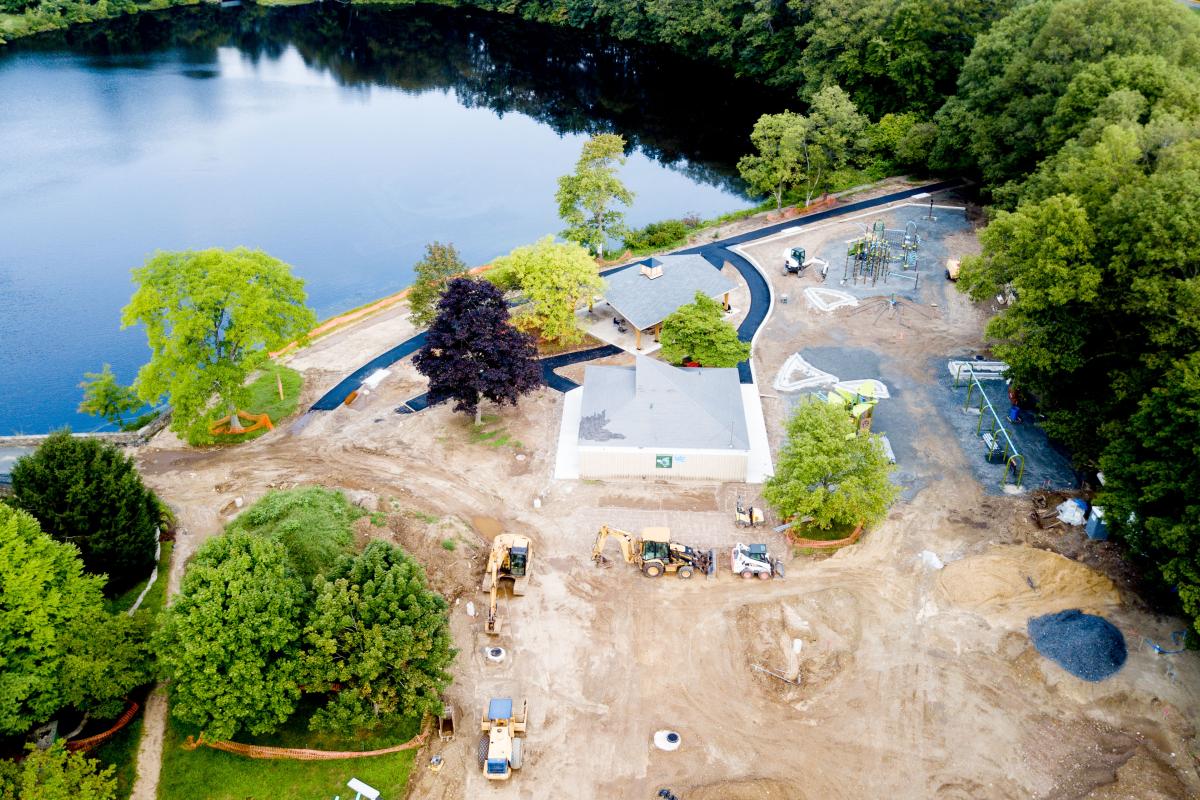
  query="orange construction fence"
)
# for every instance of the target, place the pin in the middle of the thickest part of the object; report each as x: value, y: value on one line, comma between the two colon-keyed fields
x: 301, y: 754
x: 822, y: 544
x: 221, y: 426
x: 92, y: 742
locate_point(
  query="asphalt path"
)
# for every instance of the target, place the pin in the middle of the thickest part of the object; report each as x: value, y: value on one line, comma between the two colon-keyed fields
x: 716, y: 253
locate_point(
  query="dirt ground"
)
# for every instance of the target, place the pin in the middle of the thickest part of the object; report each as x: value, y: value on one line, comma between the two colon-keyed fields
x: 899, y: 679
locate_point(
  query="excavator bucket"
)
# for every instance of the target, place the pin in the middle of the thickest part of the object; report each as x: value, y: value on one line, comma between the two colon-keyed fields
x: 710, y: 563
x: 777, y: 568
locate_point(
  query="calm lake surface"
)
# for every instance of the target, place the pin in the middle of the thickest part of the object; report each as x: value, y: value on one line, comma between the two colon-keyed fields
x: 339, y: 140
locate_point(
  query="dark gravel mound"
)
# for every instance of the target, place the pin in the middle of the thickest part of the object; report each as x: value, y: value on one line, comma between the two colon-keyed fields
x: 1085, y: 645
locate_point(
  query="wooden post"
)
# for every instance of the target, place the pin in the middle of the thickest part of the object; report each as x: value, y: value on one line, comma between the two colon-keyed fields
x: 657, y: 331
x: 638, y: 336
x: 726, y: 301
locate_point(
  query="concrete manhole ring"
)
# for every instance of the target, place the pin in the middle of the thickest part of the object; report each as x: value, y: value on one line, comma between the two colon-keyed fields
x: 667, y: 740
x: 494, y: 654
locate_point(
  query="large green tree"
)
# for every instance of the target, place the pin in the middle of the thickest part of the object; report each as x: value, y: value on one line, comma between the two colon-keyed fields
x: 699, y: 331
x: 826, y: 475
x: 440, y: 264
x: 56, y: 774
x: 211, y: 318
x: 555, y: 278
x: 90, y: 494
x: 314, y: 524
x: 229, y: 642
x: 803, y: 151
x: 379, y: 632
x: 588, y: 198
x: 58, y: 646
x: 778, y: 162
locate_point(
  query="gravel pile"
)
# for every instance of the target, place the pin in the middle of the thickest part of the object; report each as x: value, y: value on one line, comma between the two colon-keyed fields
x: 1085, y: 645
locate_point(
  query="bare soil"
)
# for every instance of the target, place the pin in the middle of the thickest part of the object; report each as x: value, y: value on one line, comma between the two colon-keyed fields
x: 913, y: 682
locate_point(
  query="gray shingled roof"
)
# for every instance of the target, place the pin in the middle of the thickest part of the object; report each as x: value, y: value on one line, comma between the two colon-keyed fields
x: 645, y: 301
x: 653, y: 404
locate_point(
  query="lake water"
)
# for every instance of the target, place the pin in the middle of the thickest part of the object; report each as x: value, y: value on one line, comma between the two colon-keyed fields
x: 337, y: 139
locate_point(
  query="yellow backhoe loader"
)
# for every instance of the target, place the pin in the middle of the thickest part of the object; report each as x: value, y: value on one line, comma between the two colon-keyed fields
x: 654, y: 553
x: 509, y: 560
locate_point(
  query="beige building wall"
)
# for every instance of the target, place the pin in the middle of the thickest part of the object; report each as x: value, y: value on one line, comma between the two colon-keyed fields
x: 625, y: 462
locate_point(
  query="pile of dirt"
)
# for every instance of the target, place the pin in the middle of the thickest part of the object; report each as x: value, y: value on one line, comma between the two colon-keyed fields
x: 808, y: 641
x: 452, y: 553
x: 1085, y: 645
x: 1012, y: 583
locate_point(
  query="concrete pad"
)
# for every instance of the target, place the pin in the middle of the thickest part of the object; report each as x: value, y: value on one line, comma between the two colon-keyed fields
x: 566, y: 460
x: 758, y: 466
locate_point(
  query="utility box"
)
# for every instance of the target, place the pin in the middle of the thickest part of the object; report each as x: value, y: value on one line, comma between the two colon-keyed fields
x: 1095, y: 527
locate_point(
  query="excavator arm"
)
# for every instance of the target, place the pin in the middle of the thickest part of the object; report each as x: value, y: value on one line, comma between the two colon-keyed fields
x: 493, y: 619
x: 625, y: 539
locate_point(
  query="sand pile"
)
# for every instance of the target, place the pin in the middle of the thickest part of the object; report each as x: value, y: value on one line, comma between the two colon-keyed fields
x: 1012, y: 583
x: 754, y: 789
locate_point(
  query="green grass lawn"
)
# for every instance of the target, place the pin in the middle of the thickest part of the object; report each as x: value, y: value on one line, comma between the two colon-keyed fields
x: 264, y: 399
x: 492, y: 434
x: 216, y: 775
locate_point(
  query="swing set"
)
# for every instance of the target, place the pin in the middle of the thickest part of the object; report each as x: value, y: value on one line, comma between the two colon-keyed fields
x: 997, y: 440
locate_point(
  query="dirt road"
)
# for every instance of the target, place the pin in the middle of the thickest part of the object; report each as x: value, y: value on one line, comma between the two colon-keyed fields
x: 913, y: 682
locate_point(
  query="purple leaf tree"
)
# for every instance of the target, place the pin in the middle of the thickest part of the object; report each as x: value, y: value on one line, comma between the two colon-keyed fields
x: 473, y: 352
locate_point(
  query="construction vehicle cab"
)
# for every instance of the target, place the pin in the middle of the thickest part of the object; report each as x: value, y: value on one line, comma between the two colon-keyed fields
x: 753, y: 561
x: 500, y: 750
x: 509, y: 560
x: 654, y: 553
x: 795, y: 262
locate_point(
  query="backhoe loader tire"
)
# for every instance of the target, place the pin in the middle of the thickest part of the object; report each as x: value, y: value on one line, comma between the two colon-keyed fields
x: 684, y: 572
x: 652, y: 570
x: 747, y: 574
x: 514, y: 758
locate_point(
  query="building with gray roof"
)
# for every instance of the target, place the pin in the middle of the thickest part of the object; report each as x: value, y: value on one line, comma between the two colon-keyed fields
x: 647, y: 293
x: 655, y: 420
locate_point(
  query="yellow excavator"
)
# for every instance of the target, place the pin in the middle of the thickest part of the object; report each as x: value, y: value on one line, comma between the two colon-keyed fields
x: 508, y: 560
x: 654, y: 553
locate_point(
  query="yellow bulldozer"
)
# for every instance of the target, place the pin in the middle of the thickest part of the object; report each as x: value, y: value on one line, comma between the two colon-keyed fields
x: 509, y: 560
x: 654, y: 553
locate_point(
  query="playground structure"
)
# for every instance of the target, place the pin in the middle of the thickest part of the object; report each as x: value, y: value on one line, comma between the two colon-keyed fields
x: 997, y: 441
x: 882, y: 254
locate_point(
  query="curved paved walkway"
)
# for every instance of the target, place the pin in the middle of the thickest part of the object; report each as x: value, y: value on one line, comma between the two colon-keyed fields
x: 716, y: 253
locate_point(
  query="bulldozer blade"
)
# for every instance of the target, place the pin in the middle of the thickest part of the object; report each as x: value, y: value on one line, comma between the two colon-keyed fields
x: 777, y: 568
x: 710, y: 566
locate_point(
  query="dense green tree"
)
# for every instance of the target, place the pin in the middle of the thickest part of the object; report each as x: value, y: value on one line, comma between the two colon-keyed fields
x: 211, y: 318
x: 314, y: 524
x: 826, y: 475
x: 56, y: 774
x: 229, y: 642
x: 58, y: 647
x: 890, y: 55
x: 1006, y: 115
x: 830, y: 139
x: 379, y: 632
x: 588, y: 197
x: 90, y: 494
x: 700, y: 332
x: 1152, y: 484
x: 778, y: 162
x: 555, y: 278
x: 472, y: 351
x: 105, y: 398
x: 440, y: 264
